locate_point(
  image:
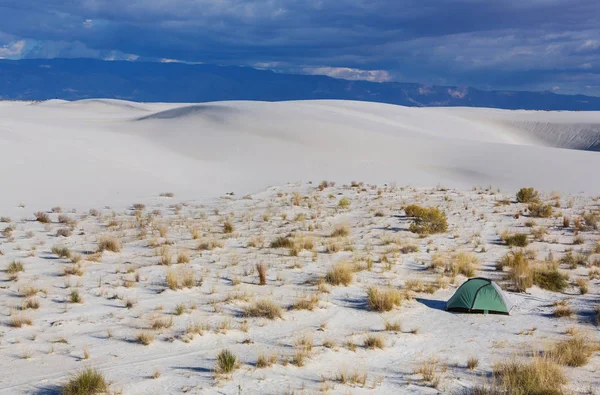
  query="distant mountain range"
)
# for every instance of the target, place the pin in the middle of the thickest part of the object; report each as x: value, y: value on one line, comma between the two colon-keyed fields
x: 74, y: 79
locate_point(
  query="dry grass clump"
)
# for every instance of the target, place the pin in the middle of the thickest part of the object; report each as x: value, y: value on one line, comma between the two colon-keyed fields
x: 17, y: 320
x: 181, y: 279
x: 183, y: 257
x: 261, y: 268
x: 89, y: 381
x: 209, y: 244
x: 264, y: 361
x: 539, y: 376
x: 463, y: 263
x: 340, y: 231
x: 14, y: 268
x: 528, y: 195
x: 515, y: 240
x: 282, y: 242
x: 520, y: 272
x: 562, y: 309
x: 575, y: 351
x: 73, y: 270
x: 228, y: 227
x: 263, y: 308
x: 472, y: 363
x: 344, y: 202
x: 145, y: 337
x: 393, y: 326
x: 62, y: 252
x: 428, y: 369
x: 383, y: 300
x: 66, y: 220
x: 64, y: 232
x: 161, y: 322
x: 354, y: 378
x: 31, y: 303
x: 340, y: 274
x: 373, y: 341
x: 582, y: 285
x: 539, y: 210
x: 42, y: 217
x: 306, y: 303
x: 226, y: 363
x: 165, y: 256
x: 108, y: 243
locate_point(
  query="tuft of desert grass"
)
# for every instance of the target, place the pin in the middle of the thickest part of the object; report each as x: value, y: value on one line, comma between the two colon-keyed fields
x: 541, y: 375
x: 183, y: 257
x: 472, y: 363
x: 209, y: 244
x: 264, y: 361
x: 582, y: 285
x: 539, y: 210
x: 17, y: 320
x: 227, y: 362
x: 575, y: 351
x: 73, y: 270
x: 383, y: 299
x: 108, y: 243
x: 393, y: 326
x: 340, y: 231
x: 515, y: 240
x: 144, y: 337
x: 14, y: 268
x: 562, y: 309
x: 161, y: 323
x: 520, y: 272
x: 31, y: 303
x: 75, y: 297
x: 64, y: 232
x: 340, y: 274
x: 265, y: 308
x: 61, y: 251
x: 374, y: 341
x: 88, y: 381
x: 42, y: 217
x: 306, y: 303
x: 228, y: 226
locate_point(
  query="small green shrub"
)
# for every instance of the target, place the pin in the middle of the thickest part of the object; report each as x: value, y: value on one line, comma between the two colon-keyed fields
x: 516, y: 240
x: 539, y: 210
x: 227, y: 362
x: 89, y: 381
x: 427, y: 220
x: 527, y: 195
x: 550, y: 278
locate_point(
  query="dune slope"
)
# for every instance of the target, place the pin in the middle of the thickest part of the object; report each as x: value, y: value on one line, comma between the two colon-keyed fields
x: 109, y: 151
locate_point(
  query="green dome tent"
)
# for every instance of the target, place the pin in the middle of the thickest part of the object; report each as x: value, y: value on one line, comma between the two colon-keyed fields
x: 479, y: 295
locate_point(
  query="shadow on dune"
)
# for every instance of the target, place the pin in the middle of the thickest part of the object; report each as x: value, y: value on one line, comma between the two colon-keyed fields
x: 208, y: 111
x: 433, y: 304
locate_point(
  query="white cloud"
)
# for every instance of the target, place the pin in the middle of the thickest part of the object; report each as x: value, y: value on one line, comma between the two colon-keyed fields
x: 350, y: 73
x: 12, y: 50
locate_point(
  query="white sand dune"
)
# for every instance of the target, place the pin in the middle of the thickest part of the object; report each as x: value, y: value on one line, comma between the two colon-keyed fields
x: 110, y: 151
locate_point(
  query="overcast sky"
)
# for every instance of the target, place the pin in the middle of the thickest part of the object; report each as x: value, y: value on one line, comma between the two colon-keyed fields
x: 490, y: 44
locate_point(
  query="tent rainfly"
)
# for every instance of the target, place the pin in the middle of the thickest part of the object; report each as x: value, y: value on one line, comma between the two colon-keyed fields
x: 479, y: 295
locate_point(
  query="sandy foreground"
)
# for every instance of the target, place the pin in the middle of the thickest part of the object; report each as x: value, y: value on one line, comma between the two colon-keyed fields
x: 154, y: 179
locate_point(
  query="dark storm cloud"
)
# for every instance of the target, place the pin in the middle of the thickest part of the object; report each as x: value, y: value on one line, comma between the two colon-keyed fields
x: 497, y: 44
